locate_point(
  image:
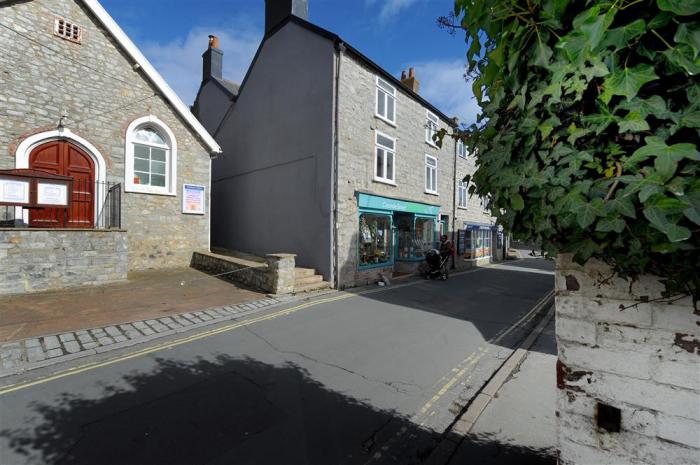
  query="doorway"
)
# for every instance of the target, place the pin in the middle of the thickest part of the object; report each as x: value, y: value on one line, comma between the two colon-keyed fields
x: 64, y: 158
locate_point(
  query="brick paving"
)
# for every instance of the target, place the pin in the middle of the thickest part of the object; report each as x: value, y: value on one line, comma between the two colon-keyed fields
x: 147, y: 295
x: 46, y: 350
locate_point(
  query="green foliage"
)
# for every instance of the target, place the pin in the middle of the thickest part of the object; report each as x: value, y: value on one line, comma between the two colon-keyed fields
x: 589, y: 132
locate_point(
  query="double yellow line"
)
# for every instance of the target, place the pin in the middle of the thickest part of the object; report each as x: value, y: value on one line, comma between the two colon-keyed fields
x: 169, y: 345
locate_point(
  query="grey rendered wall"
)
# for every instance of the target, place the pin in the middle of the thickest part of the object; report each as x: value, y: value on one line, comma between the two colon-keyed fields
x: 212, y: 105
x: 272, y: 187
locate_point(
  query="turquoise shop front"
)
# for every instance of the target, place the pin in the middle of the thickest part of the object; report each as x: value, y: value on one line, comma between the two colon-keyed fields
x: 394, y: 231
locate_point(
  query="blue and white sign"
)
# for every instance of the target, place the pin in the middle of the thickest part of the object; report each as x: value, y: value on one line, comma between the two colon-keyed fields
x: 193, y: 199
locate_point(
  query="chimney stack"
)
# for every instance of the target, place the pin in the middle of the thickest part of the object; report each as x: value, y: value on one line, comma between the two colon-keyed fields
x: 277, y: 11
x: 411, y: 82
x: 212, y: 60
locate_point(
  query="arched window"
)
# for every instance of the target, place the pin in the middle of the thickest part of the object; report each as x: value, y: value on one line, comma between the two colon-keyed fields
x: 151, y: 157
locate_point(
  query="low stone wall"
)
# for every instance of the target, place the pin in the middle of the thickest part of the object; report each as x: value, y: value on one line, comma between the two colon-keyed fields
x: 274, y: 274
x: 628, y: 372
x: 33, y: 260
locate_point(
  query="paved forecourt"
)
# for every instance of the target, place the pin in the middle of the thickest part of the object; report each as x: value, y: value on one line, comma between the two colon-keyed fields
x: 351, y: 378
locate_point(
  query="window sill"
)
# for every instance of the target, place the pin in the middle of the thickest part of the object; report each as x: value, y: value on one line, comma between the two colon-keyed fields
x: 432, y: 145
x: 463, y: 208
x: 387, y: 121
x: 375, y: 265
x: 384, y: 181
x: 144, y: 190
x: 431, y: 193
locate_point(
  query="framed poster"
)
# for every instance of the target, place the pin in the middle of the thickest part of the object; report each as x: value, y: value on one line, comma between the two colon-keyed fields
x: 49, y: 193
x: 14, y: 191
x: 193, y: 199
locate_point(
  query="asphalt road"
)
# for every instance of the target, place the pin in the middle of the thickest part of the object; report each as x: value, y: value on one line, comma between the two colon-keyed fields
x: 371, y: 378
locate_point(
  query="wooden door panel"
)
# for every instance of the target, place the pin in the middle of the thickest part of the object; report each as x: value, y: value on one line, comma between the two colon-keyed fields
x: 64, y: 158
x: 80, y: 167
x: 47, y: 157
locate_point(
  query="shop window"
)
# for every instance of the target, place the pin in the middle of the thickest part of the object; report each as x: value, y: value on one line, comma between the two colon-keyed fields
x: 477, y: 243
x: 430, y: 174
x: 151, y: 157
x: 424, y: 236
x: 375, y: 239
x: 385, y: 154
x: 386, y: 101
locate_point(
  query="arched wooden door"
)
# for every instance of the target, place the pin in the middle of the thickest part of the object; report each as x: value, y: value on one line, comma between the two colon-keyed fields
x: 64, y: 158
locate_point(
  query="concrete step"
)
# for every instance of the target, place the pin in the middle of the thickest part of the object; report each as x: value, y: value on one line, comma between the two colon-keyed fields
x: 304, y: 272
x: 311, y: 287
x: 314, y: 278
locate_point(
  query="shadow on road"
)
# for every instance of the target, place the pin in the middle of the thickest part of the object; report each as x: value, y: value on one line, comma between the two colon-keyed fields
x: 225, y: 410
x: 489, y: 299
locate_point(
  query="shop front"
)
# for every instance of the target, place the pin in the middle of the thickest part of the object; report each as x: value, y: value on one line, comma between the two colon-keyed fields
x: 395, y: 233
x: 475, y: 241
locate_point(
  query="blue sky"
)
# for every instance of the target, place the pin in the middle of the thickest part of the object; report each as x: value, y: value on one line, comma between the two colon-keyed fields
x: 396, y: 34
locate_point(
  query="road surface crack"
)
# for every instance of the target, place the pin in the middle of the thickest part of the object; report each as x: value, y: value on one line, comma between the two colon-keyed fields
x: 399, y: 386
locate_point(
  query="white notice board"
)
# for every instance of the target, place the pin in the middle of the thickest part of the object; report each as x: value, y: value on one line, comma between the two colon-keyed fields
x: 48, y: 193
x: 14, y: 191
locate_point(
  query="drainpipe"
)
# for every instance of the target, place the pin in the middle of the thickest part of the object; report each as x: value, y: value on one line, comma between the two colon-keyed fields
x: 454, y: 204
x: 340, y: 48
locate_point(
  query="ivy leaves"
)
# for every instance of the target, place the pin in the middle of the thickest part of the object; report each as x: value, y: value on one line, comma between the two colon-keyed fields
x: 591, y: 127
x: 627, y: 82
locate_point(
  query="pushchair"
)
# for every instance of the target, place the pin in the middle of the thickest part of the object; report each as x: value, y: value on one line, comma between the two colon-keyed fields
x: 437, y: 264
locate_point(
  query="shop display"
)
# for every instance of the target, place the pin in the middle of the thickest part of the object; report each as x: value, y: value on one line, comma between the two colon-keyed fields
x: 375, y: 239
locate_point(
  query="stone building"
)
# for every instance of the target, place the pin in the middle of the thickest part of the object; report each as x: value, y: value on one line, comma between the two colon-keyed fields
x: 79, y: 100
x: 330, y: 157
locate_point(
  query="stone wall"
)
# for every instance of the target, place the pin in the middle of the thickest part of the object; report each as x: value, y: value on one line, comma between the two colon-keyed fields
x: 626, y: 363
x: 101, y: 92
x: 33, y: 260
x: 275, y: 274
x: 358, y: 123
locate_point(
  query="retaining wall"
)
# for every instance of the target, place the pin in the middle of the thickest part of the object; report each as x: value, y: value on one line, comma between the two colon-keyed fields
x: 274, y: 274
x: 33, y: 260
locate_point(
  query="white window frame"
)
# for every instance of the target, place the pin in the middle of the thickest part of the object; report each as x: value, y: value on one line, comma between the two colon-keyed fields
x: 387, y: 96
x: 387, y: 150
x: 461, y: 149
x: 435, y: 170
x: 432, y: 124
x: 463, y: 194
x: 156, y: 124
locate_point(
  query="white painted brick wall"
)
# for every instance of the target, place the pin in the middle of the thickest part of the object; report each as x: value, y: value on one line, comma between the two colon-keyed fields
x: 644, y: 360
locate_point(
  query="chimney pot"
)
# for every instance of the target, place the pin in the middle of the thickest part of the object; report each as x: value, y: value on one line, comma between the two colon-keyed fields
x: 410, y: 82
x: 212, y: 60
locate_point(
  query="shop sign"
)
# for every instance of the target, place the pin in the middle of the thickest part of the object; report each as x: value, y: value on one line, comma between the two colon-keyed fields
x: 193, y: 199
x: 477, y: 227
x: 55, y: 194
x: 14, y: 191
x: 385, y: 203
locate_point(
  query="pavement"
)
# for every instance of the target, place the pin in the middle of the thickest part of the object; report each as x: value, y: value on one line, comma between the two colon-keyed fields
x: 146, y: 295
x: 519, y: 425
x: 372, y: 376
